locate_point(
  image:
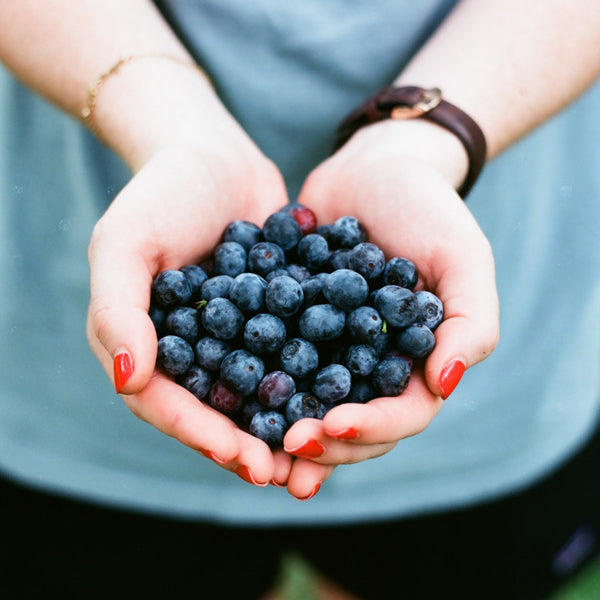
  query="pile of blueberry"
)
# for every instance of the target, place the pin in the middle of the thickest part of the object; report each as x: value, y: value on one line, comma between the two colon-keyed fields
x: 289, y: 320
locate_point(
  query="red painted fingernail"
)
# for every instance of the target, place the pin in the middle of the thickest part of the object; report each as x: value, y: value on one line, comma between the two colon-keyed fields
x: 212, y: 456
x: 345, y: 434
x: 310, y: 449
x: 123, y: 370
x: 450, y: 376
x: 312, y: 493
x: 245, y: 473
x: 279, y: 485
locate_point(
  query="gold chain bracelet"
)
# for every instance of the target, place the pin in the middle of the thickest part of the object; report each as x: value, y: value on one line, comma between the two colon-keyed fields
x: 94, y: 89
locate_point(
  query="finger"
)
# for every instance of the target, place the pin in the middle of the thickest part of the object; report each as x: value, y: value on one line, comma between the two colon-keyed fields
x: 282, y: 466
x: 306, y: 478
x: 254, y: 462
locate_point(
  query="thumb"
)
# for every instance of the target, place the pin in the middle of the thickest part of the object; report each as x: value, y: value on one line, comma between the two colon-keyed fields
x: 470, y: 329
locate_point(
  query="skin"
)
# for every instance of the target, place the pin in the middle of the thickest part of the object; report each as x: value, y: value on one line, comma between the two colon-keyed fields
x: 194, y: 170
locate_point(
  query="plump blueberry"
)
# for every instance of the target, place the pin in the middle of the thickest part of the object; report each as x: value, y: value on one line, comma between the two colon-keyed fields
x: 241, y: 372
x: 157, y: 315
x: 391, y: 376
x: 304, y: 216
x: 431, y: 310
x: 282, y: 229
x: 364, y: 324
x: 216, y: 287
x: 275, y: 389
x: 210, y: 352
x: 361, y: 359
x: 196, y: 276
x: 312, y: 288
x: 244, y: 233
x: 299, y: 357
x: 346, y: 289
x: 417, y: 341
x: 229, y: 259
x: 226, y: 401
x: 313, y: 251
x: 222, y: 318
x: 277, y: 273
x: 185, y: 322
x: 269, y: 426
x: 196, y: 380
x: 283, y: 296
x: 347, y: 231
x: 265, y: 257
x: 298, y: 272
x: 264, y: 333
x: 339, y: 259
x: 402, y: 272
x: 303, y: 405
x: 362, y: 391
x: 247, y: 292
x: 397, y: 305
x: 322, y: 322
x: 171, y: 288
x: 367, y: 259
x: 332, y: 383
x: 175, y: 356
x: 249, y: 408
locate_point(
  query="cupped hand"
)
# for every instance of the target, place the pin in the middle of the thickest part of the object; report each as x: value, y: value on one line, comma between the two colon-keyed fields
x: 172, y: 213
x: 394, y: 183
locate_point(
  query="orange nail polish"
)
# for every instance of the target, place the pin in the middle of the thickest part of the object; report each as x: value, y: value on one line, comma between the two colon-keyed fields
x: 312, y: 494
x: 346, y: 434
x: 123, y: 370
x: 245, y: 473
x: 450, y: 376
x: 310, y: 449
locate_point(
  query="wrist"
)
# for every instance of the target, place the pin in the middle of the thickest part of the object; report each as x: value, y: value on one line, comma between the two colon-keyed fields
x: 148, y: 105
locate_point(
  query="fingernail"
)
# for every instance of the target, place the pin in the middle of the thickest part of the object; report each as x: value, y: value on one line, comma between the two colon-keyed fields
x: 245, y: 473
x: 212, y: 456
x: 123, y: 369
x: 312, y: 493
x: 310, y: 449
x: 450, y: 376
x: 346, y: 434
x: 279, y: 485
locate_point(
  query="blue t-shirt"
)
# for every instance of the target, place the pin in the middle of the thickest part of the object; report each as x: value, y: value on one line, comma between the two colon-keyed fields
x: 289, y: 73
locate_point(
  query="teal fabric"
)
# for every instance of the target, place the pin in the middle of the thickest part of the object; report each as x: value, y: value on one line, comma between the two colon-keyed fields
x: 288, y: 73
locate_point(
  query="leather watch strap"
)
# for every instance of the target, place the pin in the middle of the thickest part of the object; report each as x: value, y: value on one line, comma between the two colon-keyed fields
x: 411, y: 102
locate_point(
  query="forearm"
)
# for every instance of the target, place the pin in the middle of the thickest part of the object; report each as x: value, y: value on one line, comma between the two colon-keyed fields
x: 59, y: 50
x: 511, y: 65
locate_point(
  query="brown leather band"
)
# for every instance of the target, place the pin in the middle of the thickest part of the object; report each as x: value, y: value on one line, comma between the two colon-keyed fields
x: 416, y: 102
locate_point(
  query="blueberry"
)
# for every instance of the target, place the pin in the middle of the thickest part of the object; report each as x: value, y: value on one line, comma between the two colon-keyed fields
x: 431, y: 310
x: 264, y: 333
x: 304, y: 216
x: 347, y: 231
x: 362, y: 391
x: 322, y: 322
x: 196, y: 380
x: 241, y: 372
x: 283, y: 296
x: 312, y: 289
x: 229, y: 259
x: 249, y: 408
x: 303, y: 405
x: 391, y: 376
x: 157, y: 315
x: 244, y: 233
x: 397, y: 305
x: 196, y: 276
x: 416, y: 341
x: 346, y: 289
x: 402, y: 272
x: 265, y: 257
x: 216, y: 287
x: 332, y: 383
x: 361, y: 359
x: 223, y: 399
x: 364, y: 324
x: 275, y: 389
x: 175, y: 356
x: 185, y: 322
x: 283, y: 272
x: 247, y: 292
x: 367, y: 259
x: 171, y: 288
x: 282, y: 229
x: 269, y: 426
x: 298, y: 272
x: 299, y: 357
x: 210, y: 352
x: 222, y: 318
x: 313, y: 251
